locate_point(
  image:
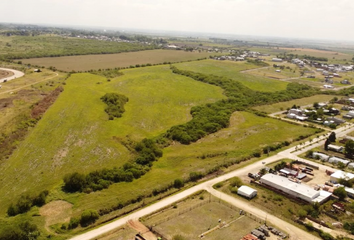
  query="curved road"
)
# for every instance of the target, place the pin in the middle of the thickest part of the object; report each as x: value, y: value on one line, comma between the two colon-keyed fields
x: 295, y: 232
x: 17, y: 74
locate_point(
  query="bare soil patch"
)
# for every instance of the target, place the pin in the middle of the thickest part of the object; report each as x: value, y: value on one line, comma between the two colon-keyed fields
x: 142, y: 229
x: 4, y: 74
x: 56, y: 212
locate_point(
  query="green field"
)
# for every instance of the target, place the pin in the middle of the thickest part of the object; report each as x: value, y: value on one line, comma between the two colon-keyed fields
x: 232, y: 70
x: 246, y: 134
x: 75, y: 134
x: 15, y: 47
x: 122, y: 60
x: 282, y: 106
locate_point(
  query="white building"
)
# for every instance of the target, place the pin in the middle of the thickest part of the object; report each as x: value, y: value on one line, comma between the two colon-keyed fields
x: 277, y: 59
x: 246, y: 192
x: 336, y: 160
x: 341, y: 175
x: 335, y: 148
x: 294, y: 189
x: 321, y: 156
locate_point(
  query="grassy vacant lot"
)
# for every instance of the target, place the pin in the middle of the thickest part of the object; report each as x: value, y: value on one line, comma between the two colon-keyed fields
x: 49, y: 45
x: 197, y: 215
x: 232, y: 70
x: 75, y: 134
x: 104, y: 61
x: 246, y: 133
x: 298, y: 102
x: 270, y: 72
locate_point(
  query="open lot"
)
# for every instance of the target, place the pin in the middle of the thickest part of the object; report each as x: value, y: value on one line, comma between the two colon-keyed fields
x: 197, y: 216
x: 104, y: 61
x: 233, y: 70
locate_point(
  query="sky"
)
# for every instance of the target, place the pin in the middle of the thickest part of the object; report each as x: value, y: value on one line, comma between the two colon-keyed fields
x: 311, y: 19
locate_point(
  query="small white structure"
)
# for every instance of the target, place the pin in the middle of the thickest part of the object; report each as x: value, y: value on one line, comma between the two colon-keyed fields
x: 321, y: 156
x: 335, y: 148
x: 246, y: 192
x: 341, y: 175
x: 296, y: 190
x: 277, y: 59
x: 351, y: 165
x: 350, y: 192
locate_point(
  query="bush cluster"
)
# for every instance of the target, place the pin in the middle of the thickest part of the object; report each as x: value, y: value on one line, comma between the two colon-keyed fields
x: 25, y: 230
x: 115, y: 104
x: 25, y: 202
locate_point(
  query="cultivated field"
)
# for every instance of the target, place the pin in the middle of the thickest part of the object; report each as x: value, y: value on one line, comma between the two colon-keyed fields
x: 104, y: 61
x: 198, y: 215
x: 282, y: 106
x: 233, y: 70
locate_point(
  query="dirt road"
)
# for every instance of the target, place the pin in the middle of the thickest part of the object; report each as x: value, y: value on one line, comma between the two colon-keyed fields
x: 24, y: 86
x: 17, y: 74
x: 295, y: 232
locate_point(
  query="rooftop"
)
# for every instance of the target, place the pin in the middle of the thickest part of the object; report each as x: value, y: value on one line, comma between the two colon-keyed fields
x: 344, y: 175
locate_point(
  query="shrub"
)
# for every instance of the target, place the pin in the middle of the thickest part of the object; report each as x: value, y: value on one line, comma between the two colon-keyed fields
x: 88, y: 217
x: 178, y: 183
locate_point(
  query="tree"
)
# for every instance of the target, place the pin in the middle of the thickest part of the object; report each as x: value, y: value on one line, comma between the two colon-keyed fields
x: 341, y: 193
x: 316, y: 105
x: 349, y: 149
x: 236, y: 182
x: 74, y: 182
x: 332, y: 137
x: 327, y: 142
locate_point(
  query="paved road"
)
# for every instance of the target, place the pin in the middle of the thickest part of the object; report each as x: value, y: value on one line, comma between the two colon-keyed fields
x: 17, y: 74
x: 295, y: 232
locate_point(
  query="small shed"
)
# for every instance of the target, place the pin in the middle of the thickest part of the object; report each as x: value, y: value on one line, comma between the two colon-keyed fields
x: 247, y: 192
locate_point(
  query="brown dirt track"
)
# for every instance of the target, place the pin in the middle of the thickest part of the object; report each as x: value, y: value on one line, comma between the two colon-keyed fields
x: 4, y: 74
